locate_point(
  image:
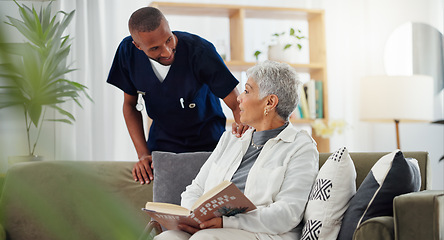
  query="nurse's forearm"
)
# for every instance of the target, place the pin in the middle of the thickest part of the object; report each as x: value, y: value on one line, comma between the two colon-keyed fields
x: 231, y: 101
x: 134, y: 123
x: 237, y: 127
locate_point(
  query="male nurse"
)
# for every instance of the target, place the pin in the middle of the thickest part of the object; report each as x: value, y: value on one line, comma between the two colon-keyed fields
x: 180, y: 78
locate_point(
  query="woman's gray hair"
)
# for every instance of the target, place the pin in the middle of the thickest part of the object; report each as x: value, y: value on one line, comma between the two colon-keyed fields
x: 279, y: 79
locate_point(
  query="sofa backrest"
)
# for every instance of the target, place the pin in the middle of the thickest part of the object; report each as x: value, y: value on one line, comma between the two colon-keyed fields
x: 364, y: 161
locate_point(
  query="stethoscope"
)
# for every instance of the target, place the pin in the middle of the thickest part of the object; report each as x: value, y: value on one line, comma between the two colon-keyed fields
x: 140, y: 101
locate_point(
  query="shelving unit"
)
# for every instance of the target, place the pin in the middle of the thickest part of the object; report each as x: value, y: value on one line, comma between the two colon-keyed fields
x: 237, y: 15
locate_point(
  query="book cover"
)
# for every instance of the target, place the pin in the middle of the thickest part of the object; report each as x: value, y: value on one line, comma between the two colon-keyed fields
x: 223, y: 200
x: 311, y: 98
x: 297, y: 113
x: 319, y: 99
x: 304, y: 105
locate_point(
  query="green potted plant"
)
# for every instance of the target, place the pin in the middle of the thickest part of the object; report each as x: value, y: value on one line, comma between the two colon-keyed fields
x: 284, y: 46
x: 33, y: 72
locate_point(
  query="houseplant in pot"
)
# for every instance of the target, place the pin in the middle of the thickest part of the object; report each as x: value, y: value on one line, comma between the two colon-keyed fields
x: 285, y: 46
x: 33, y: 72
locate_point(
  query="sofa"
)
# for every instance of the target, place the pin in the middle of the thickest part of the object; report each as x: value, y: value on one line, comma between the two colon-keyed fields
x: 100, y: 200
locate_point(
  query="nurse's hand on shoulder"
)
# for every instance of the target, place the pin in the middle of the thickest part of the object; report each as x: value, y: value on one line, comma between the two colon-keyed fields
x: 143, y: 170
x: 239, y: 129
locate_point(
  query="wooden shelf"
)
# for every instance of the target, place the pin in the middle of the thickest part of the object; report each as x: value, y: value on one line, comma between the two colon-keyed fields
x: 294, y: 121
x: 227, y: 10
x: 242, y: 66
x: 195, y: 9
x: 237, y: 14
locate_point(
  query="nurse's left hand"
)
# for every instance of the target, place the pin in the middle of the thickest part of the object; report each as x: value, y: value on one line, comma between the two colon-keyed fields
x: 239, y: 129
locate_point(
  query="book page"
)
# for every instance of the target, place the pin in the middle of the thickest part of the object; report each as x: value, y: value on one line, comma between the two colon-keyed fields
x: 171, y: 221
x: 167, y: 208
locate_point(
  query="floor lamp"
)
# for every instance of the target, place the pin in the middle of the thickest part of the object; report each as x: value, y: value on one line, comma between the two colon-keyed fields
x: 396, y: 99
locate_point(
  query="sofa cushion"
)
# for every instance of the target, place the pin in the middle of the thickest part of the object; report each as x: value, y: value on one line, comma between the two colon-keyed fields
x: 173, y: 172
x: 392, y: 175
x: 381, y: 228
x: 72, y: 200
x: 335, y: 185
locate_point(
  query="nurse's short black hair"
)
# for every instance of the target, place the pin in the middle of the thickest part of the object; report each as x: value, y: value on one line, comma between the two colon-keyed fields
x: 145, y: 19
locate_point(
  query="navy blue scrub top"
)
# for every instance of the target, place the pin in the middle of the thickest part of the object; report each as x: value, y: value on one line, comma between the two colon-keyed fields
x: 185, y: 108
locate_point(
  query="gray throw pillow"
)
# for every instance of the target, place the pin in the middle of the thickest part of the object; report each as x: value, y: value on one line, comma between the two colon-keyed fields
x: 173, y: 172
x: 391, y: 176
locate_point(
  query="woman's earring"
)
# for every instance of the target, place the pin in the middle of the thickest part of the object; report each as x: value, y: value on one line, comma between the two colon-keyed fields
x: 265, y: 112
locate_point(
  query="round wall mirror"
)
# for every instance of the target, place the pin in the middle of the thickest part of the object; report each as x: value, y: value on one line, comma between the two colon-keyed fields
x: 417, y: 48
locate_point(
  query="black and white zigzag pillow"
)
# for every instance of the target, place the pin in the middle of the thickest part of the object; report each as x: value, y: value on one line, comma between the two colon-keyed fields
x: 334, y: 186
x: 321, y: 190
x: 311, y: 230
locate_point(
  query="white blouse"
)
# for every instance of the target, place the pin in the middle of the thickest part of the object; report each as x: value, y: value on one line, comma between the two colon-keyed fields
x: 279, y: 182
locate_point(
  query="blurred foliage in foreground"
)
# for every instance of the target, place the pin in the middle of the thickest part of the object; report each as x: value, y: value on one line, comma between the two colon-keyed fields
x: 78, y: 200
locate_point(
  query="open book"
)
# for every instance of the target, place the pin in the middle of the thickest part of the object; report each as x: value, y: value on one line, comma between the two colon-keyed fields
x: 223, y: 200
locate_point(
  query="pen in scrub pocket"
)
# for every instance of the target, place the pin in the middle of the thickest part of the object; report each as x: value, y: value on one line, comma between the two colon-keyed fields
x: 181, y: 102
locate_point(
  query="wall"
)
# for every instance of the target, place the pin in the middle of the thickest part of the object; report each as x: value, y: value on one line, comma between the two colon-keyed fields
x: 356, y: 35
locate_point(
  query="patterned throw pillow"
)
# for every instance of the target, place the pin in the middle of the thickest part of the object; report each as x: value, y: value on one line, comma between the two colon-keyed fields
x: 329, y: 198
x: 392, y: 175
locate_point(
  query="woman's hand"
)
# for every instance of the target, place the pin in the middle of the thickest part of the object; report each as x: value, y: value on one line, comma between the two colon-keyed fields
x: 187, y: 228
x: 212, y: 223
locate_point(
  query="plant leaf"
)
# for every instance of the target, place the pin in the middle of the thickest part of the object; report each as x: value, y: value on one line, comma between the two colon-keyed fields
x: 256, y: 54
x: 35, y: 111
x: 65, y: 21
x: 14, y: 48
x: 45, y: 17
x: 66, y: 113
x: 25, y: 14
x: 60, y: 120
x: 38, y: 26
x: 23, y: 29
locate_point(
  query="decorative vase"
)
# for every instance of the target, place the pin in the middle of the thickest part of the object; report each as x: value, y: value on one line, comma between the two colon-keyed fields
x: 19, y: 159
x: 290, y: 55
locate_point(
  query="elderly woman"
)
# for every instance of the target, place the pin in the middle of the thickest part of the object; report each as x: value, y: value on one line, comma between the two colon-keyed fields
x: 273, y: 163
